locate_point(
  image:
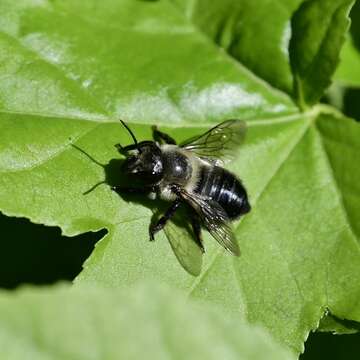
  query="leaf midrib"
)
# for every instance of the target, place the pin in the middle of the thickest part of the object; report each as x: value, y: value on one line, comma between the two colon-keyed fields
x: 252, y: 121
x: 260, y: 122
x: 198, y: 31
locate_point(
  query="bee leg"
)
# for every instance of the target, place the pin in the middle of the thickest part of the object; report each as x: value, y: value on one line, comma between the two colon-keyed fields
x: 123, y: 149
x: 159, y: 136
x: 154, y: 228
x: 119, y: 147
x: 127, y: 190
x: 195, y: 222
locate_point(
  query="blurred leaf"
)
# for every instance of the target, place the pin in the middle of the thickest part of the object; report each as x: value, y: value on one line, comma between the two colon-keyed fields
x: 318, y: 32
x: 256, y: 33
x: 147, y: 322
x: 71, y: 68
x: 348, y: 71
x: 344, y: 93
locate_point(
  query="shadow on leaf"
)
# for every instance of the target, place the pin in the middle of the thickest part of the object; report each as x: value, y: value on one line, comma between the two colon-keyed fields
x: 177, y: 230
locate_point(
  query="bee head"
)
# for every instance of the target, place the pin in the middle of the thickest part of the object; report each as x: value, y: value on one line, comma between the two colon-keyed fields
x: 145, y: 163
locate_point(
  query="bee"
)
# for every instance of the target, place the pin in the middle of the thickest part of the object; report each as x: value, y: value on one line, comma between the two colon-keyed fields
x: 191, y: 173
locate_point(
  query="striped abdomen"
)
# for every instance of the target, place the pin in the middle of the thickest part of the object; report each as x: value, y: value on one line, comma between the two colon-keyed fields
x: 224, y: 188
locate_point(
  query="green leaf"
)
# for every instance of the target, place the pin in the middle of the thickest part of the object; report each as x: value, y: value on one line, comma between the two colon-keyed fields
x: 318, y: 32
x: 146, y: 322
x: 316, y: 27
x: 303, y: 227
x: 335, y: 325
x: 348, y: 71
x: 70, y: 69
x: 256, y: 33
x: 345, y: 90
x: 150, y: 68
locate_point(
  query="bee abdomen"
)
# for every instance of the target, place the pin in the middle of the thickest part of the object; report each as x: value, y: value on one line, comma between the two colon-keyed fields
x: 224, y: 188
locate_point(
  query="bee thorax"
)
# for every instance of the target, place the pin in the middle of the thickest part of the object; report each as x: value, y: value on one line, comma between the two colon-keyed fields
x: 177, y: 166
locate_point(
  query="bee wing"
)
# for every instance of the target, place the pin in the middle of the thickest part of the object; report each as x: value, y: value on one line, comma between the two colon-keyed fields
x: 218, y: 143
x: 185, y: 249
x: 214, y: 219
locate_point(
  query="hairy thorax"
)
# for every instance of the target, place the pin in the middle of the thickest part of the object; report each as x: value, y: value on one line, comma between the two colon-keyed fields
x: 178, y: 170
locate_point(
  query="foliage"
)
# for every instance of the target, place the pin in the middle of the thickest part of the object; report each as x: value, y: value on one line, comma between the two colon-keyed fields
x: 110, y: 320
x: 70, y: 69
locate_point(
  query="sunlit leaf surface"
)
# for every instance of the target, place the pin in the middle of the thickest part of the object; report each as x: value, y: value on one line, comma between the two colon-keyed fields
x: 70, y: 69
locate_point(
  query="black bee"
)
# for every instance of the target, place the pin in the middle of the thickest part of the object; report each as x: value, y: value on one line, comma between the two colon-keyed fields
x: 191, y: 173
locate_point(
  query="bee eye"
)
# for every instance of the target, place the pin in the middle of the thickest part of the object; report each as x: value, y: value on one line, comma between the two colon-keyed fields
x: 131, y: 159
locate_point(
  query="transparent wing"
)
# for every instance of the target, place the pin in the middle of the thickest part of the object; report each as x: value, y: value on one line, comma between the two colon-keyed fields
x: 185, y: 248
x: 214, y: 219
x: 218, y: 143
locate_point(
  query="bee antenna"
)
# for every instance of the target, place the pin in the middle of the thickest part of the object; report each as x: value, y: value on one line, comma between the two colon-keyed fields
x: 130, y: 132
x: 94, y: 187
x: 87, y: 155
